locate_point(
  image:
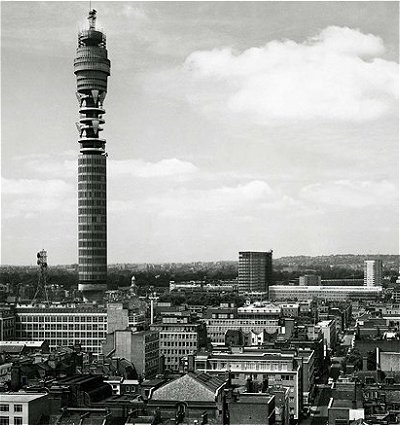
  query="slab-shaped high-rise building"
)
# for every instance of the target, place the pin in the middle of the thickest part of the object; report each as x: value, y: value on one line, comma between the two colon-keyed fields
x: 92, y: 68
x: 373, y: 272
x: 254, y: 271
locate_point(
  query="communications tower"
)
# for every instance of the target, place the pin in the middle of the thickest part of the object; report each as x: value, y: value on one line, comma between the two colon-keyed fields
x: 41, y: 295
x: 92, y: 68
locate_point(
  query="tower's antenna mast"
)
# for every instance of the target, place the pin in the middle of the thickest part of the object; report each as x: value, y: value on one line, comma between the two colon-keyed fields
x: 41, y: 288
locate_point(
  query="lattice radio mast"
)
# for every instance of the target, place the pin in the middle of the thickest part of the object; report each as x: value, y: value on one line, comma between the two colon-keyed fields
x: 41, y: 294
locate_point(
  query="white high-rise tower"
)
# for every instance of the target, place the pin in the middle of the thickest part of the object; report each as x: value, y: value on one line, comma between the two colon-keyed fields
x: 373, y: 272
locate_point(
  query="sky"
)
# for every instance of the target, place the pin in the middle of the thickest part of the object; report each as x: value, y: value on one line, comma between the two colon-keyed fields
x: 230, y: 126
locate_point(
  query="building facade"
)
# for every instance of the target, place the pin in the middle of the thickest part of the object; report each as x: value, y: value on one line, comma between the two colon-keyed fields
x: 255, y: 271
x: 373, y: 272
x: 19, y: 408
x: 7, y: 323
x: 327, y: 293
x: 139, y: 347
x: 63, y: 325
x: 92, y: 68
x: 180, y: 336
x: 274, y: 367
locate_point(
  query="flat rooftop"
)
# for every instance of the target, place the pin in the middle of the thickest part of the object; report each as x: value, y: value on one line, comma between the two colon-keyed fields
x: 20, y: 397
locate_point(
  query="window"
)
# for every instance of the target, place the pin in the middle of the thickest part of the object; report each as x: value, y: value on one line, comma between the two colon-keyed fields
x: 18, y: 420
x: 4, y: 408
x: 17, y: 407
x: 4, y: 420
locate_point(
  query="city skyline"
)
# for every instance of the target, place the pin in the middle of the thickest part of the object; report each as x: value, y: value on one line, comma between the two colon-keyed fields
x: 228, y: 130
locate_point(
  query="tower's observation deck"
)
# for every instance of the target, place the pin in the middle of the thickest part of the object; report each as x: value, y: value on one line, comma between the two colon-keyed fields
x: 92, y: 68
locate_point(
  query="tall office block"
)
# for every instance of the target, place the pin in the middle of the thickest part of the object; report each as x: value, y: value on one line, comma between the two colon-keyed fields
x: 255, y: 271
x: 373, y: 272
x: 92, y: 68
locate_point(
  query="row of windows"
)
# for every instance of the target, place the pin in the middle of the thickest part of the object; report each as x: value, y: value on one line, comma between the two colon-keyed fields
x: 92, y: 169
x: 91, y: 194
x: 91, y: 177
x: 92, y: 73
x: 92, y: 219
x: 5, y: 420
x: 92, y: 244
x: 98, y: 252
x: 85, y: 65
x: 178, y: 344
x: 55, y: 339
x: 92, y: 235
x: 174, y: 330
x: 6, y: 407
x: 92, y: 186
x: 91, y: 202
x: 92, y: 211
x: 91, y: 269
x: 90, y: 260
x: 91, y: 227
x: 245, y: 365
x: 61, y: 319
x: 177, y: 352
x: 180, y: 336
x: 64, y: 330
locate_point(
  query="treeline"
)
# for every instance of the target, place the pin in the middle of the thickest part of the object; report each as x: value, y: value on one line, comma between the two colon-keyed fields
x: 209, y: 299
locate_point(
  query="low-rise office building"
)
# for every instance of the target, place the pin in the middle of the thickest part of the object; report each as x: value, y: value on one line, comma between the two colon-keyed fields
x: 327, y: 293
x: 180, y: 335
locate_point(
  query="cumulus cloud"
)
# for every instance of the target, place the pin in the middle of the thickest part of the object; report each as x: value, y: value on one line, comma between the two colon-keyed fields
x: 353, y: 194
x: 335, y: 75
x: 245, y: 199
x: 163, y: 168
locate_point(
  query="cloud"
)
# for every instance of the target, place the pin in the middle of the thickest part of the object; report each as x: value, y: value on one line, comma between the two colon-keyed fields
x: 67, y: 168
x: 245, y: 199
x: 335, y: 75
x: 349, y: 41
x: 32, y: 187
x: 133, y: 12
x: 353, y: 194
x: 163, y: 168
x: 27, y: 197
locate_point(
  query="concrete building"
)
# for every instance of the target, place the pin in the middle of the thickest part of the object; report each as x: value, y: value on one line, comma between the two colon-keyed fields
x: 327, y: 293
x: 251, y: 409
x: 345, y: 405
x: 92, y: 68
x: 373, y: 272
x: 218, y: 327
x: 272, y: 366
x: 328, y: 329
x: 7, y: 323
x: 20, y: 408
x: 259, y: 310
x: 139, y: 347
x: 63, y: 325
x: 70, y: 324
x: 255, y: 271
x: 180, y: 336
x: 310, y: 280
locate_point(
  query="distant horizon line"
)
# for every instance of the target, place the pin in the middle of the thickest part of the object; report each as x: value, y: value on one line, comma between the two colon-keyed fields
x: 212, y: 261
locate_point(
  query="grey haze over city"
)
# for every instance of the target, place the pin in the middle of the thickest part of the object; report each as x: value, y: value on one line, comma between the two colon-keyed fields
x: 230, y: 126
